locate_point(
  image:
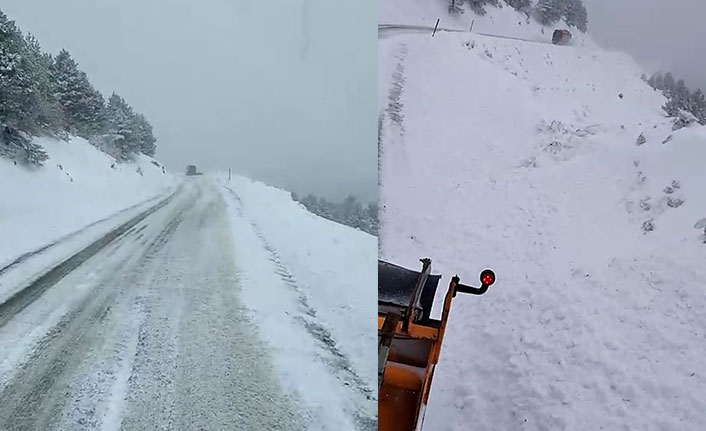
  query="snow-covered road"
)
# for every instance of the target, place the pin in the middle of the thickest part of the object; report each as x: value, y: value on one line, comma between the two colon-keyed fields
x: 151, y: 332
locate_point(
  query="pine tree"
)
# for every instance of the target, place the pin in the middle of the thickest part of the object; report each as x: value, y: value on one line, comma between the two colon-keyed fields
x: 549, y: 11
x: 521, y: 5
x: 39, y: 94
x: 327, y: 209
x: 372, y: 215
x: 575, y: 14
x: 18, y: 146
x: 311, y: 203
x: 655, y: 81
x: 144, y: 135
x: 671, y: 108
x: 120, y: 123
x: 697, y: 106
x: 659, y: 81
x: 47, y: 114
x: 456, y: 6
x: 478, y: 6
x: 668, y: 84
x: 16, y: 97
x: 83, y: 105
x: 350, y: 211
x: 682, y: 94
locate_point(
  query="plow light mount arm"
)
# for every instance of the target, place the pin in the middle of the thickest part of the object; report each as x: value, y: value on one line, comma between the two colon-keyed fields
x: 487, y: 278
x: 411, y: 312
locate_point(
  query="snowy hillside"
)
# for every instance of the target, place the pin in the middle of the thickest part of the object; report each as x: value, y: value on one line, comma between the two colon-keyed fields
x: 77, y: 186
x: 524, y: 157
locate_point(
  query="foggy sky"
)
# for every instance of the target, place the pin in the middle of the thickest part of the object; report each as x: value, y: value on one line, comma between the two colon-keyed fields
x: 667, y: 35
x: 283, y: 91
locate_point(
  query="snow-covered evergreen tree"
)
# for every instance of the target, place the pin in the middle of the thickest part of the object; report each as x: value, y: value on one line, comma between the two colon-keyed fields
x: 549, y: 11
x: 350, y: 212
x: 672, y: 107
x: 16, y: 93
x: 521, y: 5
x: 697, y: 106
x: 47, y: 114
x: 83, y: 105
x: 120, y: 122
x: 144, y: 135
x: 372, y: 216
x: 575, y: 14
x: 456, y: 6
x: 680, y: 97
x: 478, y: 6
x: 40, y: 94
x: 668, y: 84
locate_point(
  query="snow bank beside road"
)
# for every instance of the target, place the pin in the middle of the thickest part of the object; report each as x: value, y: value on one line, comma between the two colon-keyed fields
x: 311, y: 284
x: 74, y: 188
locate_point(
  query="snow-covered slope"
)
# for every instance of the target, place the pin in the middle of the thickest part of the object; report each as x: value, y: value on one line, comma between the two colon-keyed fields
x: 523, y: 157
x: 74, y: 188
x: 503, y: 22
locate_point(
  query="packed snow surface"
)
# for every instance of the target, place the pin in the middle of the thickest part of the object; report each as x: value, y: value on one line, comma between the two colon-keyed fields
x: 522, y: 157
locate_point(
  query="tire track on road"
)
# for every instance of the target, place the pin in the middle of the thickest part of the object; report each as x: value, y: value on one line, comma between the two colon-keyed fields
x: 36, y: 393
x: 27, y: 295
x: 25, y: 256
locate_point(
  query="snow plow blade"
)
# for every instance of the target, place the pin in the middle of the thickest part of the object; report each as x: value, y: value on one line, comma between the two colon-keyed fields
x: 409, y: 340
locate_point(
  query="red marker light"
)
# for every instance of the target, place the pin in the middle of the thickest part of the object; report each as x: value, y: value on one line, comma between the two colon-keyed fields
x: 487, y: 277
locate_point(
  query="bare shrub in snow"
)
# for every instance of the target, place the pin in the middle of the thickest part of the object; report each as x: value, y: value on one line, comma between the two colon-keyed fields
x: 701, y: 224
x: 668, y: 139
x: 455, y: 6
x: 676, y: 184
x: 641, y: 178
x: 675, y: 202
x: 645, y: 204
x: 648, y: 225
x: 641, y: 139
x: 684, y: 119
x: 669, y: 190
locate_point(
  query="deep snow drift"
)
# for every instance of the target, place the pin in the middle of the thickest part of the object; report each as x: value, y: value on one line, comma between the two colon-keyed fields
x: 521, y: 156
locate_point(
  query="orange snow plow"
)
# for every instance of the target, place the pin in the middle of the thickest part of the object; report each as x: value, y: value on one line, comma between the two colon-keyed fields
x: 409, y: 340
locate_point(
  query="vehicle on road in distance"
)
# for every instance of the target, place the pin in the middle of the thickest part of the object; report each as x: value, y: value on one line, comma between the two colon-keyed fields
x: 561, y: 37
